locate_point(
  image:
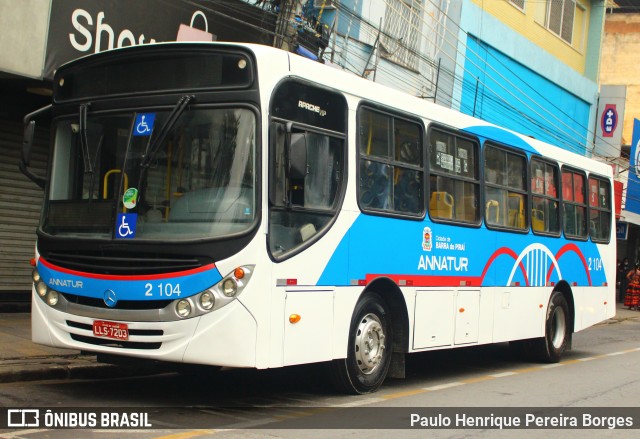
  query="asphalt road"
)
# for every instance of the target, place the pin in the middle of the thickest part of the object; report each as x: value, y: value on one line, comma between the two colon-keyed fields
x: 600, y: 372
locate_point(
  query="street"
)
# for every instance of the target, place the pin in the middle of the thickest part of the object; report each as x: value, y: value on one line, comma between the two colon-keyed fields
x: 600, y: 371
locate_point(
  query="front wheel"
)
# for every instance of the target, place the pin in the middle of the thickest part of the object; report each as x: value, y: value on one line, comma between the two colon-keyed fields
x: 369, y: 348
x: 550, y: 348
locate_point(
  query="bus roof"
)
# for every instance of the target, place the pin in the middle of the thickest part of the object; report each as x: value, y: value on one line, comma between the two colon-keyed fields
x: 363, y: 89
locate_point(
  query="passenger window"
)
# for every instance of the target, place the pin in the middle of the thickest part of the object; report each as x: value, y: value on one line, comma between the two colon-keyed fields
x: 545, y: 201
x: 454, y: 181
x: 505, y: 188
x: 391, y: 177
x: 599, y: 209
x: 573, y: 201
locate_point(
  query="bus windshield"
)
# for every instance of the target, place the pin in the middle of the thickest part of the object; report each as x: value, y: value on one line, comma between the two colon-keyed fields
x: 195, y: 180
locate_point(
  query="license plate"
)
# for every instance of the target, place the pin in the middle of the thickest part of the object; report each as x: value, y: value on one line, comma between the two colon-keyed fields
x: 115, y: 330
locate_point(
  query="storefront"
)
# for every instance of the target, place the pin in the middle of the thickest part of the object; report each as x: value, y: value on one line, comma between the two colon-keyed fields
x: 44, y: 34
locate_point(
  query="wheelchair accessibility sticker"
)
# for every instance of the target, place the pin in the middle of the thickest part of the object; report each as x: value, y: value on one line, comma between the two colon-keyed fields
x: 144, y: 124
x: 126, y: 225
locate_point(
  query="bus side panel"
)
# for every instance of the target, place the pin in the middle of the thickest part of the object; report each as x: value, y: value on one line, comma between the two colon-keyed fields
x: 518, y: 313
x: 589, y: 303
x: 433, y: 318
x: 446, y: 318
x: 308, y: 321
x: 467, y: 317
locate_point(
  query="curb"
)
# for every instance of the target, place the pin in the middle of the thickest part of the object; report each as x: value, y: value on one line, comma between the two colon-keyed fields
x: 65, y: 368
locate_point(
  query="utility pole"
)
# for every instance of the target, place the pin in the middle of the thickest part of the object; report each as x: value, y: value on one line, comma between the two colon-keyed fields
x: 285, y: 32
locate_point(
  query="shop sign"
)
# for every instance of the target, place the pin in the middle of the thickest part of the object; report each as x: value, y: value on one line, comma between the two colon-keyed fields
x: 82, y: 27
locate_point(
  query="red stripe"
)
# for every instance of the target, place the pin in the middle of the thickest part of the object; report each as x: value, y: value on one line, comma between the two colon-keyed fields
x: 124, y: 277
x: 504, y: 251
x: 576, y: 250
x: 429, y: 281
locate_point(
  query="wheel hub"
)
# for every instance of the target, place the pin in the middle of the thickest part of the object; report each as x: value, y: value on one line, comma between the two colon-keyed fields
x: 369, y: 344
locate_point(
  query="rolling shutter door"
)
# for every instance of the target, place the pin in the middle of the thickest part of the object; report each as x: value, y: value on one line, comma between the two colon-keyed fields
x: 20, y: 204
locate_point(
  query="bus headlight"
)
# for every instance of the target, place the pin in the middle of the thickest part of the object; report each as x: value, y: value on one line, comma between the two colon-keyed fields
x: 52, y: 298
x: 216, y: 296
x: 229, y: 287
x: 41, y: 288
x: 35, y: 275
x: 183, y: 308
x: 207, y: 300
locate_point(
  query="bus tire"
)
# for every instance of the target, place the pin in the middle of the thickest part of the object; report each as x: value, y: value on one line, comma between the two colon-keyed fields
x: 369, y: 348
x: 549, y: 349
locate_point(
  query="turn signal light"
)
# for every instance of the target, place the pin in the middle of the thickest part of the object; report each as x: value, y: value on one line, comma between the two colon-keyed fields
x: 238, y: 273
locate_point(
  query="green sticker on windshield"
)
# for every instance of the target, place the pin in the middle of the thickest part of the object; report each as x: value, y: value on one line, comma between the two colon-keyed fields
x: 130, y: 198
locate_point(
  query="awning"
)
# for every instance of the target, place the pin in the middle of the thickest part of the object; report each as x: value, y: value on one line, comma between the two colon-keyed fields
x: 629, y: 217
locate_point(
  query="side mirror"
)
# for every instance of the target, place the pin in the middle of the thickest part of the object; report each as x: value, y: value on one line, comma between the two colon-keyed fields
x: 27, y: 141
x: 297, y: 156
x: 27, y: 145
x: 288, y: 162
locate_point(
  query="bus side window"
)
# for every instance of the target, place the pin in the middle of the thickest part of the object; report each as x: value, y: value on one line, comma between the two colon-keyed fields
x: 537, y: 220
x: 454, y: 179
x: 492, y: 213
x: 599, y: 209
x: 466, y: 211
x: 375, y: 185
x: 575, y: 203
x: 516, y: 211
x: 505, y: 188
x: 441, y: 205
x: 544, y: 208
x: 390, y: 163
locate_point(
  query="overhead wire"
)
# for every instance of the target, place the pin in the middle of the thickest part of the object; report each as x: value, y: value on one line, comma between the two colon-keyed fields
x: 501, y: 103
x: 421, y: 82
x: 503, y: 78
x: 582, y: 140
x: 506, y: 103
x: 510, y: 108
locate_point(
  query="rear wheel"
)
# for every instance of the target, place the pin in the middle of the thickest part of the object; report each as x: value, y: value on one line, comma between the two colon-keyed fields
x: 369, y: 348
x: 550, y: 348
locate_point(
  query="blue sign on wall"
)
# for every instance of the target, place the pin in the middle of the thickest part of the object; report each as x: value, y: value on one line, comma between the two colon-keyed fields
x: 633, y: 184
x: 621, y: 230
x: 609, y: 120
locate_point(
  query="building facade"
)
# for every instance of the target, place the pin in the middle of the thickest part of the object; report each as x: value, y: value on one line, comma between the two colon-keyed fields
x: 527, y: 65
x: 621, y: 43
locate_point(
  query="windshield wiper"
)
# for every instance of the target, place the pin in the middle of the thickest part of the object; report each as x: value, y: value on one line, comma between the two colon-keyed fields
x: 84, y: 143
x: 93, y: 174
x: 156, y: 141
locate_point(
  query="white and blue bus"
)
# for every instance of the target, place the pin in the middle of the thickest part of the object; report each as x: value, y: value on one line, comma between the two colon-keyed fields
x: 240, y: 206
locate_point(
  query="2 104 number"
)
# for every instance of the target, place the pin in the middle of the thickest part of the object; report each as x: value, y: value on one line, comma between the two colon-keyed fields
x: 163, y: 290
x: 595, y: 264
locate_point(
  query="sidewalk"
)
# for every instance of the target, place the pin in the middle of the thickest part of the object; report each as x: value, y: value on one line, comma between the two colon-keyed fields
x: 23, y: 360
